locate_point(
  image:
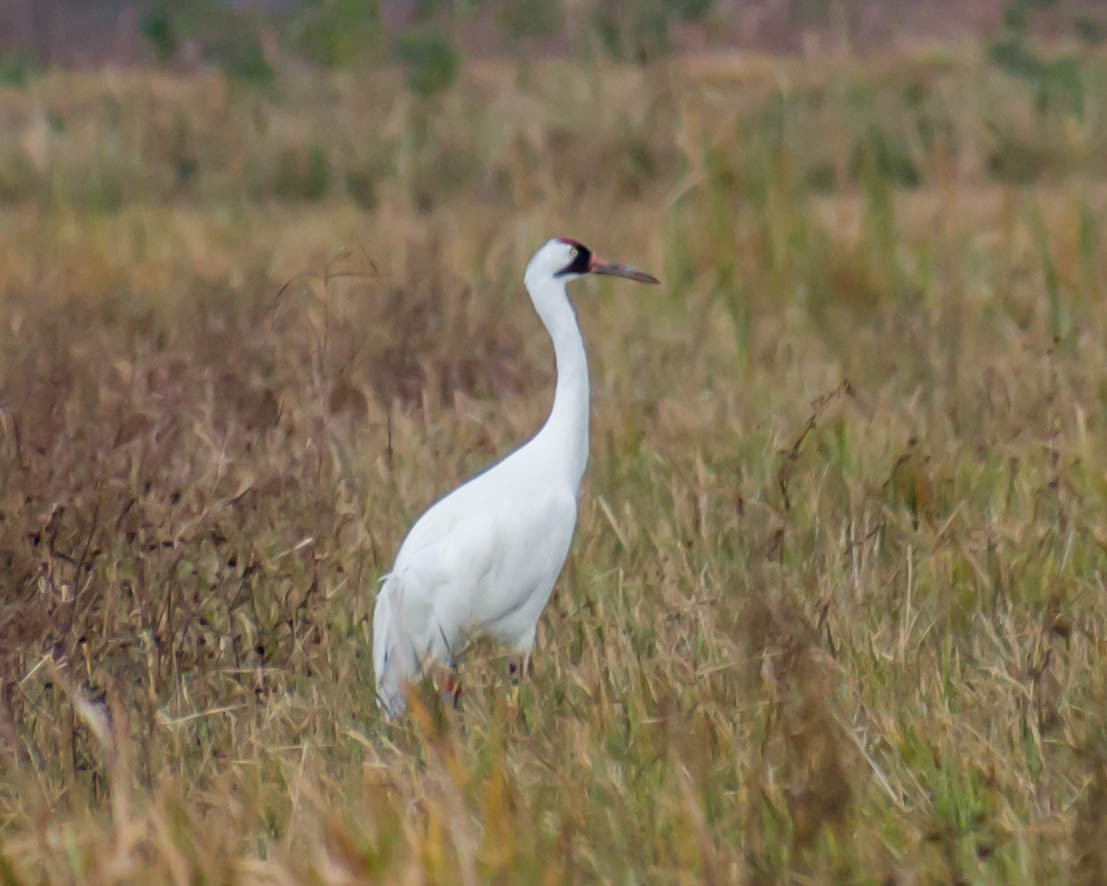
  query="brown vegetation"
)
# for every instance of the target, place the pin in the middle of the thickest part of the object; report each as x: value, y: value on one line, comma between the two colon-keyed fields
x: 835, y: 609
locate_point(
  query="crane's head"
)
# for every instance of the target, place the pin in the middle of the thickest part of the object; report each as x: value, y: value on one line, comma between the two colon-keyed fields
x: 565, y: 259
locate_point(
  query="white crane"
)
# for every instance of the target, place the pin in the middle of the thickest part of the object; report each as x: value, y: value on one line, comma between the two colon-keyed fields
x: 483, y: 560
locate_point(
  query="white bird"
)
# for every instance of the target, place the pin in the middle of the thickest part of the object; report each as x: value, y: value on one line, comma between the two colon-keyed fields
x: 483, y: 560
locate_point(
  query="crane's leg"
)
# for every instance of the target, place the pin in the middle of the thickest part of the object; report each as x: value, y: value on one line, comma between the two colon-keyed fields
x: 445, y: 654
x: 452, y: 695
x: 520, y: 667
x: 515, y: 671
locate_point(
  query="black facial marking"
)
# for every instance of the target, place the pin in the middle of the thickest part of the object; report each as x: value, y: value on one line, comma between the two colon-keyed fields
x: 580, y: 262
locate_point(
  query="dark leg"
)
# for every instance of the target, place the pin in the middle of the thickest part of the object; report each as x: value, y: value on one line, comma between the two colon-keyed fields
x: 518, y: 669
x: 452, y: 696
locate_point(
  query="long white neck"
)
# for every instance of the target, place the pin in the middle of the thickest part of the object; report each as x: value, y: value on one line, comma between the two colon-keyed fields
x: 563, y: 439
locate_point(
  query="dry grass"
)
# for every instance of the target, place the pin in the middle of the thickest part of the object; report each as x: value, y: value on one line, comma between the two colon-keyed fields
x: 836, y: 606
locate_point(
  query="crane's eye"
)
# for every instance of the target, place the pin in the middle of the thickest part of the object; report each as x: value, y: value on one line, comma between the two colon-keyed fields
x: 573, y: 252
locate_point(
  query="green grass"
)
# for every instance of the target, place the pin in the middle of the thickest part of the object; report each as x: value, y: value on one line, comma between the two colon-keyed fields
x: 835, y: 607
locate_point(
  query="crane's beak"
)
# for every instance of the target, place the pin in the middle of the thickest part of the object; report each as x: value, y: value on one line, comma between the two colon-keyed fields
x: 599, y: 266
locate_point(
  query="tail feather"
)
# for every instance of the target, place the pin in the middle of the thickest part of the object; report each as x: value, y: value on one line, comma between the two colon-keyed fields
x: 395, y: 661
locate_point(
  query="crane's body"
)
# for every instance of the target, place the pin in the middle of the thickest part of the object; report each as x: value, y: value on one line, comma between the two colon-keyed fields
x: 483, y: 560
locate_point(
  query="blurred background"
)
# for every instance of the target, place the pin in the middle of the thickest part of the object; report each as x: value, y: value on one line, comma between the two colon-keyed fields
x: 72, y: 32
x: 285, y: 50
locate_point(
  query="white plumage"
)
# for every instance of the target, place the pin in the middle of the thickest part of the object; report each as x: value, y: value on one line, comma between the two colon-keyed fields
x: 483, y: 560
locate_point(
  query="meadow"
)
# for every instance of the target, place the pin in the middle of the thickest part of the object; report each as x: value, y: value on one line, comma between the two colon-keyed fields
x: 836, y: 608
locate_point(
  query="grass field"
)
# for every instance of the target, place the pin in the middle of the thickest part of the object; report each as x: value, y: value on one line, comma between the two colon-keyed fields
x: 836, y: 608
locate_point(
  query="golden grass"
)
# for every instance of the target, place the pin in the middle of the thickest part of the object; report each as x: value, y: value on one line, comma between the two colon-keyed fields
x: 835, y: 609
